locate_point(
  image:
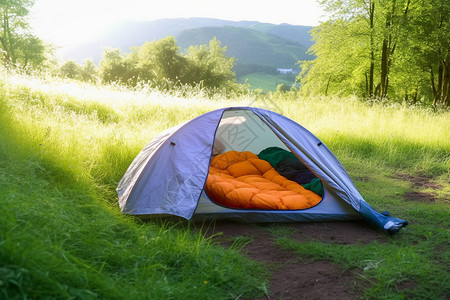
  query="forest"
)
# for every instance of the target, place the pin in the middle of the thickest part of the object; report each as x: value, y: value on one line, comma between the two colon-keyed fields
x: 395, y: 50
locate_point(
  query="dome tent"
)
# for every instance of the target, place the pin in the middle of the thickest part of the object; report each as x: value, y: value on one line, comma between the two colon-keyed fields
x: 168, y: 176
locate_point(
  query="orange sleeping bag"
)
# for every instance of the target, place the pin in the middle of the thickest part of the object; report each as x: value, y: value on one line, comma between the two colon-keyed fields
x: 242, y: 180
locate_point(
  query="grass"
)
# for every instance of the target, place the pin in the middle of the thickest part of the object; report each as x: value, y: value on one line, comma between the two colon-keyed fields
x: 384, y: 268
x: 62, y: 235
x: 380, y: 145
x: 65, y: 146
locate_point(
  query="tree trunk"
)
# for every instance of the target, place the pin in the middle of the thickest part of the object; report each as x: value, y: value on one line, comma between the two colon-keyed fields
x: 433, y: 87
x: 328, y: 84
x: 384, y: 69
x: 441, y: 90
x: 446, y: 83
x: 387, y: 51
x: 415, y: 94
x: 372, y: 55
x: 439, y: 84
x: 5, y: 37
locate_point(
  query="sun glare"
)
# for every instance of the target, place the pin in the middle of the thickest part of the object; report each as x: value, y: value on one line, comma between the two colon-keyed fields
x: 72, y: 22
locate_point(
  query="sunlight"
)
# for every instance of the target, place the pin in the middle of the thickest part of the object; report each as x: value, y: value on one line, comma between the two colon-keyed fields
x: 69, y: 23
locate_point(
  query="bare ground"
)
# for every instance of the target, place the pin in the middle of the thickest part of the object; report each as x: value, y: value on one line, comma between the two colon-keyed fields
x: 292, y: 278
x: 419, y: 182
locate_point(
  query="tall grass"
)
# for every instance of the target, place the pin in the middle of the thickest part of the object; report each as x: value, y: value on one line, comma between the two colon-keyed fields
x: 65, y: 145
x: 380, y: 145
x: 393, y: 135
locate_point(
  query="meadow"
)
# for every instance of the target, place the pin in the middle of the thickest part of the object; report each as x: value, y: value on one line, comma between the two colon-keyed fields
x: 65, y: 145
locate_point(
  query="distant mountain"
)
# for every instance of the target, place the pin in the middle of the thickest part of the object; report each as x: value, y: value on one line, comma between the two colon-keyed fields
x: 128, y: 34
x: 250, y: 47
x: 125, y: 35
x: 258, y: 47
x: 297, y: 33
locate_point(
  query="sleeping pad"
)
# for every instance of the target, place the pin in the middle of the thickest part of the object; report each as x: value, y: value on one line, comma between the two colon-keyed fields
x: 242, y: 180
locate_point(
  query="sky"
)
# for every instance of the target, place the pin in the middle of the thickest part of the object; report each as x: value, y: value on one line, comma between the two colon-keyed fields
x: 66, y: 23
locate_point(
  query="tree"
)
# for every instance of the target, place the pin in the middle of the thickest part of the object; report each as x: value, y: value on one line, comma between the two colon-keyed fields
x: 382, y: 49
x: 209, y: 65
x: 160, y: 61
x: 115, y: 68
x: 70, y: 69
x: 429, y: 28
x: 88, y: 71
x: 342, y: 58
x: 18, y: 46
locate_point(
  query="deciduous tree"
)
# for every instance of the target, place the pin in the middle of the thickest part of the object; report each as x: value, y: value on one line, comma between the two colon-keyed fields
x: 70, y: 69
x: 18, y: 46
x: 382, y: 49
x: 210, y: 65
x: 161, y: 61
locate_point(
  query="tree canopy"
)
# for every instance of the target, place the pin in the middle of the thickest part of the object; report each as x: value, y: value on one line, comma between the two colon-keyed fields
x: 18, y: 46
x: 396, y: 49
x: 161, y: 63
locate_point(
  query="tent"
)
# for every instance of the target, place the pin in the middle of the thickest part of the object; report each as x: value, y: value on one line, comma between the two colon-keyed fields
x: 168, y: 176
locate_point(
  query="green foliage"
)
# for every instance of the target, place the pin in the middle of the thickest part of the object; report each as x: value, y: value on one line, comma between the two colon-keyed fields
x: 160, y: 63
x: 282, y: 88
x: 210, y: 66
x: 18, y: 47
x: 70, y: 69
x: 115, y: 68
x: 87, y: 72
x: 382, y: 49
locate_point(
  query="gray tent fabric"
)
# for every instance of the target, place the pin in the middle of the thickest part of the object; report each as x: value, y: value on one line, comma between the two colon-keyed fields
x: 315, y: 155
x: 169, y: 175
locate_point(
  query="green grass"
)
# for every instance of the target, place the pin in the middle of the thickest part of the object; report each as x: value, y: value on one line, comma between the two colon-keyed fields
x: 385, y: 267
x: 62, y: 235
x: 380, y: 145
x: 65, y: 146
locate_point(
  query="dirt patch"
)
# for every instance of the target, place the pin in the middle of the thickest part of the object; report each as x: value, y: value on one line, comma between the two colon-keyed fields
x: 292, y: 278
x: 346, y: 233
x: 316, y: 280
x: 419, y: 181
x: 420, y: 197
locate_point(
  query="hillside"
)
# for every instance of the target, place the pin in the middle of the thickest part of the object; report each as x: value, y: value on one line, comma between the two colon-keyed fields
x: 272, y: 41
x: 134, y: 33
x: 297, y: 33
x: 249, y: 47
